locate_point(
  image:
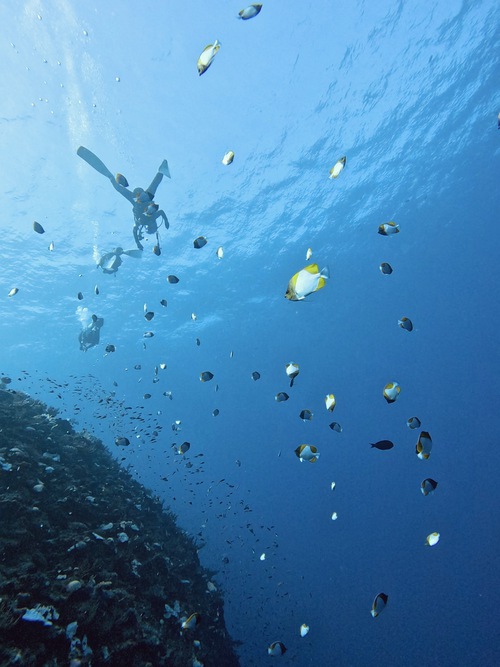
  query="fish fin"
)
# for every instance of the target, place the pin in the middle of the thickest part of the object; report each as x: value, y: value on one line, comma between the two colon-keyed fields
x: 312, y: 268
x: 133, y: 253
x: 321, y: 283
x: 325, y: 272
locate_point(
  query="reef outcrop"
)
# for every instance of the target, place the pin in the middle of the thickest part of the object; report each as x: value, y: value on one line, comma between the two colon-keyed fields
x: 93, y: 569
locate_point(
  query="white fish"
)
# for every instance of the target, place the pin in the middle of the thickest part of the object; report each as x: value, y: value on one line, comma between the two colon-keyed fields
x: 337, y: 168
x: 207, y: 56
x: 249, y: 12
x: 220, y: 252
x: 304, y: 629
x: 432, y: 539
x: 228, y: 158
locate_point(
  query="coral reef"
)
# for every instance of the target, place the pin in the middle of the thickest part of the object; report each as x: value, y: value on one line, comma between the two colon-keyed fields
x: 93, y: 570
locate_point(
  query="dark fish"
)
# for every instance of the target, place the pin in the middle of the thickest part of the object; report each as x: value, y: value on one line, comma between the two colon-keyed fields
x: 281, y: 396
x: 163, y: 303
x: 255, y: 376
x: 386, y: 268
x: 122, y: 442
x: 406, y: 323
x: 146, y: 396
x: 157, y: 250
x: 148, y: 334
x: 121, y: 180
x: 149, y: 315
x: 38, y: 228
x: 206, y: 376
x: 216, y: 412
x: 335, y: 426
x: 428, y: 486
x: 306, y: 415
x: 138, y: 367
x: 110, y: 348
x: 79, y: 296
x: 198, y: 342
x: 383, y: 444
x: 172, y: 279
x: 200, y: 242
x: 413, y: 422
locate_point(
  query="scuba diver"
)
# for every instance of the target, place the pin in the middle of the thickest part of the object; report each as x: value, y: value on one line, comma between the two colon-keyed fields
x: 146, y: 211
x: 111, y: 261
x: 89, y: 337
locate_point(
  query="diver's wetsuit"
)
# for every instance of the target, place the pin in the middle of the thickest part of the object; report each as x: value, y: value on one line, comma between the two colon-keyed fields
x: 89, y: 337
x: 141, y: 219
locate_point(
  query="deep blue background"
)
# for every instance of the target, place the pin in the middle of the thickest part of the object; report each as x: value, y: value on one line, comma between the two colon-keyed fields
x: 408, y: 91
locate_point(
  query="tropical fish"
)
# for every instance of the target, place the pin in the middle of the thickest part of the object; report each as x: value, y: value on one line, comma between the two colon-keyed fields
x: 332, y: 486
x: 413, y: 422
x: 386, y: 268
x: 406, y: 324
x: 292, y: 370
x: 424, y: 445
x: 335, y: 426
x: 228, y: 158
x: 220, y: 252
x: 121, y: 180
x: 306, y: 281
x: 207, y: 56
x: 249, y: 12
x: 388, y: 228
x: 338, y: 167
x: 330, y: 402
x: 276, y: 648
x: 432, y: 539
x: 206, y: 376
x: 163, y: 366
x: 306, y: 415
x: 281, y: 397
x: 309, y: 254
x: 190, y: 622
x: 379, y: 604
x: 383, y: 444
x: 200, y: 242
x: 335, y: 516
x: 172, y: 279
x: 182, y: 449
x: 38, y: 228
x: 428, y: 486
x: 151, y: 209
x: 194, y: 317
x: 255, y: 376
x: 307, y: 453
x: 391, y: 391
x: 143, y: 196
x: 157, y: 250
x: 122, y: 442
x: 304, y: 629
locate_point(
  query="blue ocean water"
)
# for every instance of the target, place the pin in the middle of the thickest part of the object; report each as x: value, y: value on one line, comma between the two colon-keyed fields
x: 409, y: 93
